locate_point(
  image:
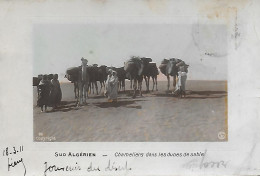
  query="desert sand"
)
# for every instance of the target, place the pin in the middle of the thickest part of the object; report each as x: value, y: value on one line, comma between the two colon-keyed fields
x: 155, y: 117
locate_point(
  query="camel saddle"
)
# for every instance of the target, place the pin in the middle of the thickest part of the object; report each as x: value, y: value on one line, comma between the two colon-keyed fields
x: 73, y: 73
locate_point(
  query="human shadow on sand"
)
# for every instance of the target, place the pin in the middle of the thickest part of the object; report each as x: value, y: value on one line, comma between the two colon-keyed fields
x: 65, y: 106
x: 127, y: 104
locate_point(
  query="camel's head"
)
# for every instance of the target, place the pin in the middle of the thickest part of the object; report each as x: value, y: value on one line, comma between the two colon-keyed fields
x: 84, y: 61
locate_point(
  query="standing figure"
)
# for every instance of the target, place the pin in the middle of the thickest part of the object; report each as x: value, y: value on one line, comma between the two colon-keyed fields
x: 112, y: 87
x: 83, y: 82
x: 44, y: 92
x: 107, y: 87
x: 181, y: 84
x: 55, y: 95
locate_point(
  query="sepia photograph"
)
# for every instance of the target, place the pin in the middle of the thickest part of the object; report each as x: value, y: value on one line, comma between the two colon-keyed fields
x: 130, y: 83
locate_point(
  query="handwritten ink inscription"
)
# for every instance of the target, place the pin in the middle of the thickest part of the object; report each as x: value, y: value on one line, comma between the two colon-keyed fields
x: 110, y: 167
x: 204, y: 164
x: 12, y: 153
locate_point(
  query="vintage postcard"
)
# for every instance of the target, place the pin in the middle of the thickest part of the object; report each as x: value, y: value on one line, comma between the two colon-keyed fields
x: 129, y: 88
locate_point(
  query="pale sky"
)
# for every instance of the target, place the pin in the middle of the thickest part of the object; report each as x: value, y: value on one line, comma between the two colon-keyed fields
x: 58, y: 47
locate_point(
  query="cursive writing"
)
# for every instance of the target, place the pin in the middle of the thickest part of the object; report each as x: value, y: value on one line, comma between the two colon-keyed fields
x: 115, y: 167
x: 12, y: 164
x: 91, y: 168
x: 54, y: 168
x: 218, y: 164
x: 195, y: 163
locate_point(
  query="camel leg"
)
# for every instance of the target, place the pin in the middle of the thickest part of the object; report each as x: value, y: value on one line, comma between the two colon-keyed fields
x: 89, y: 88
x: 148, y: 83
x: 123, y: 84
x: 140, y: 88
x: 156, y: 82
x: 78, y: 92
x: 93, y: 90
x: 131, y: 81
x: 101, y: 86
x: 79, y: 99
x: 118, y: 86
x: 153, y: 83
x: 75, y: 90
x: 96, y: 86
x: 135, y: 86
x: 174, y: 82
x: 84, y: 91
x: 168, y: 85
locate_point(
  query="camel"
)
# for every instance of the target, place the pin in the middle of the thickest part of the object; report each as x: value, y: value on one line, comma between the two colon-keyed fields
x: 72, y: 75
x: 170, y: 67
x: 93, y: 76
x: 102, y: 76
x: 135, y: 67
x: 152, y: 71
x: 80, y: 77
x: 97, y: 74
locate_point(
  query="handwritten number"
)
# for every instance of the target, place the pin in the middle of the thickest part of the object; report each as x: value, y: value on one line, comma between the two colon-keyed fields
x: 14, y: 150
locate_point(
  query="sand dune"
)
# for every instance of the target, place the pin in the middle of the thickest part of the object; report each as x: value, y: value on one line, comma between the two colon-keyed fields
x: 155, y: 117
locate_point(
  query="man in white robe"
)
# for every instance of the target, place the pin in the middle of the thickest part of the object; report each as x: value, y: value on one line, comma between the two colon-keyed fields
x: 181, y: 84
x: 112, y: 87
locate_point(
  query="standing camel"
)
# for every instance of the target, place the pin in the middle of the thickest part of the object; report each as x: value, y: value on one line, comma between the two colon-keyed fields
x: 170, y: 67
x: 72, y: 75
x: 151, y: 71
x: 135, y: 67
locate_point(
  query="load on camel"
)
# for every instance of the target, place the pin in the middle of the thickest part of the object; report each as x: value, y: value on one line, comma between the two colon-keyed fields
x: 171, y: 67
x: 134, y: 68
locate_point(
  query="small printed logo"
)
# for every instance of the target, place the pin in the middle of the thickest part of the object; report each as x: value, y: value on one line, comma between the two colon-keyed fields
x: 221, y: 135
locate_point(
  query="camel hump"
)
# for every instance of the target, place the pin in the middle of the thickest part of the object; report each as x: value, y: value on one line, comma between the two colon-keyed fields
x: 165, y: 61
x: 181, y: 63
x: 72, y: 73
x: 73, y: 70
x: 162, y: 68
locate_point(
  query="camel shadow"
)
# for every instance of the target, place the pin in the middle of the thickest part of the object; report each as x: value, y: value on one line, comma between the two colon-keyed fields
x: 196, y: 94
x: 127, y: 104
x: 201, y: 97
x: 208, y: 92
x: 96, y: 97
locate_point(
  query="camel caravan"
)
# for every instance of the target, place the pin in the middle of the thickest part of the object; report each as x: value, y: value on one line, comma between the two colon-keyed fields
x: 112, y: 79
